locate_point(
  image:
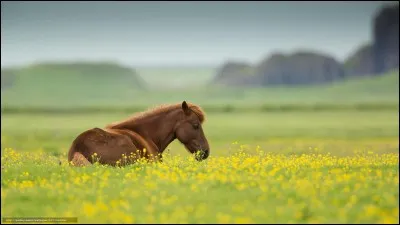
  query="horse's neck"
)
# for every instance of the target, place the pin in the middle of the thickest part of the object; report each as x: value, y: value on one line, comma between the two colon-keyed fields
x: 162, y: 131
x: 158, y: 130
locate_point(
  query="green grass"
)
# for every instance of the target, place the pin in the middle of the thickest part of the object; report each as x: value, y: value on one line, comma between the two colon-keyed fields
x: 277, y: 167
x: 54, y: 133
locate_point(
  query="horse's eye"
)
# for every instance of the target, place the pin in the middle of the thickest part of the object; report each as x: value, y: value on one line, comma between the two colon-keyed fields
x: 196, y: 126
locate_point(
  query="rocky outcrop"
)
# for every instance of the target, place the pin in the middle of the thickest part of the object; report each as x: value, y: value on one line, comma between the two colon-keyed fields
x: 386, y: 39
x: 235, y: 73
x: 307, y: 67
x: 361, y: 62
x: 299, y: 69
x: 383, y: 54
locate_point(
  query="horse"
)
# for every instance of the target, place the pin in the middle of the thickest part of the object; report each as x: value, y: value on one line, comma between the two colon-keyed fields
x: 144, y: 135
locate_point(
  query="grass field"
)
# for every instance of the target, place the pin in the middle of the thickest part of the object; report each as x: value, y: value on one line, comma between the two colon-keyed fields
x: 275, y: 167
x: 320, y: 154
x: 54, y: 133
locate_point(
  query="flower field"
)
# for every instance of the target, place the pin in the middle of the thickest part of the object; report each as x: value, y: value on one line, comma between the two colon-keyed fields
x: 333, y: 167
x: 241, y: 188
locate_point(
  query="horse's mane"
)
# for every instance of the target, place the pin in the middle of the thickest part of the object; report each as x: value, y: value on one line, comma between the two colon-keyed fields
x: 163, y: 108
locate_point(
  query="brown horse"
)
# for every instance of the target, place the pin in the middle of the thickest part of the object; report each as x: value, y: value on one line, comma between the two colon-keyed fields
x: 145, y: 135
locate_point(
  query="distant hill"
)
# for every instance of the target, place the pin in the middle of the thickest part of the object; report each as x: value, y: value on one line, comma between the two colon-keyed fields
x: 361, y: 62
x: 68, y: 83
x: 7, y: 78
x: 373, y: 91
x: 299, y: 68
x: 235, y: 74
x: 176, y: 77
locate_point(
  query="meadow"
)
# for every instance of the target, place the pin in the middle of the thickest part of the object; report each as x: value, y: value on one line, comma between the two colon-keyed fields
x: 275, y: 167
x: 321, y: 154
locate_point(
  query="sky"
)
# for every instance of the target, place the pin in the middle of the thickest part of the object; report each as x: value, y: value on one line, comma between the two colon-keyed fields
x: 180, y: 33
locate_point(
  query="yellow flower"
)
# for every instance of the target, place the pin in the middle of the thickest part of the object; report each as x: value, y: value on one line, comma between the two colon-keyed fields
x: 243, y: 220
x: 89, y: 209
x: 223, y: 218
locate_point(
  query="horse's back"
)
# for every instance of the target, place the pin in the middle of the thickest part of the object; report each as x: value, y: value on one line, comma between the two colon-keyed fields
x: 109, y: 146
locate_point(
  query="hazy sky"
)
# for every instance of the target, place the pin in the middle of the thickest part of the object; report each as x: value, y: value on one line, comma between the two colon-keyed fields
x: 151, y: 33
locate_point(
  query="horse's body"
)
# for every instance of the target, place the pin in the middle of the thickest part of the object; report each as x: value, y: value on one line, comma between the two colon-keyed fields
x: 143, y: 136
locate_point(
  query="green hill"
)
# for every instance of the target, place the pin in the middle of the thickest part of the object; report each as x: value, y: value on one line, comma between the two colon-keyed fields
x: 177, y: 77
x: 54, y: 84
x: 96, y: 87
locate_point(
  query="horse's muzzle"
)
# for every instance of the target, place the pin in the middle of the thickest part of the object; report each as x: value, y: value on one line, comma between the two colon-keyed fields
x: 202, y: 155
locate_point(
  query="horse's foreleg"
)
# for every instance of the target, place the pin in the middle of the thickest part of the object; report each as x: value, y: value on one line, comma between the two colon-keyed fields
x: 79, y: 160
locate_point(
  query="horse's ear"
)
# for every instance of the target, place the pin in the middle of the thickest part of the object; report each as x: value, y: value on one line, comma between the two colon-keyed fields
x: 185, y: 108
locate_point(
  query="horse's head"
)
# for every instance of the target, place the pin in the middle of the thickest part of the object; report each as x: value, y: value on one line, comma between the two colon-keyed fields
x: 190, y: 133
